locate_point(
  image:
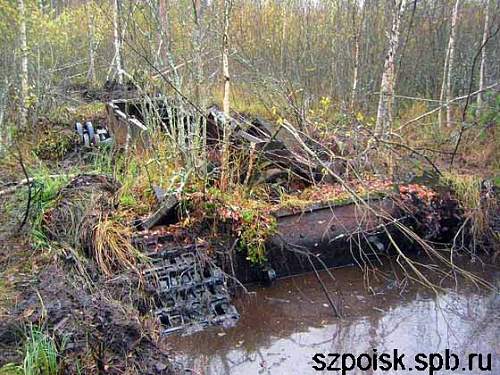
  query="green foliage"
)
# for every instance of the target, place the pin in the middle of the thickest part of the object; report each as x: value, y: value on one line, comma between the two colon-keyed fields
x: 54, y: 144
x: 40, y: 354
x: 250, y: 220
x: 44, y: 190
x: 11, y: 369
x: 255, y: 230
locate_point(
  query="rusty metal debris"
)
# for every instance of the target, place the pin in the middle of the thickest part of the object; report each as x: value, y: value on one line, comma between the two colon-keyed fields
x: 278, y: 153
x: 190, y: 294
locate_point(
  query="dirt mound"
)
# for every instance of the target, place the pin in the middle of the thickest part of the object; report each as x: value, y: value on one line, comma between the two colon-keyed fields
x: 78, y: 207
x: 98, y: 327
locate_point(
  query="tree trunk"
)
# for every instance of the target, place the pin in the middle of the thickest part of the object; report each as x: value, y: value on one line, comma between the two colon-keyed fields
x: 225, y: 101
x: 166, y: 42
x: 482, y: 70
x: 91, y: 33
x: 199, y: 7
x: 443, y: 88
x: 384, y: 112
x: 117, y: 41
x: 451, y: 59
x: 358, y: 18
x: 225, y: 57
x: 23, y: 118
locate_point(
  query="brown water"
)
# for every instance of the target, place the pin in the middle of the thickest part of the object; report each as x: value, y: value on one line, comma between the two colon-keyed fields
x: 283, y: 326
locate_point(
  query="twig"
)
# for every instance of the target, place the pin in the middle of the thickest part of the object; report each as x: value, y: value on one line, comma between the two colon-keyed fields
x: 443, y: 105
x: 29, y: 180
x: 330, y: 301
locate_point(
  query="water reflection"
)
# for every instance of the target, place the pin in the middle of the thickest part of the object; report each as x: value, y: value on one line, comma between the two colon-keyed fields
x: 282, y: 327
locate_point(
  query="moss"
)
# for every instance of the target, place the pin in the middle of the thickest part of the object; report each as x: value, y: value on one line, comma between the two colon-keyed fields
x: 55, y: 143
x: 68, y: 115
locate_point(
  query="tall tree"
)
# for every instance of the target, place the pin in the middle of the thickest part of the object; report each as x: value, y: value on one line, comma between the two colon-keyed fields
x: 482, y: 70
x: 447, y: 85
x: 451, y: 62
x: 166, y: 42
x: 199, y: 8
x: 91, y: 77
x: 384, y: 112
x: 227, y: 85
x: 358, y: 19
x: 117, y: 41
x: 23, y: 118
x: 225, y: 57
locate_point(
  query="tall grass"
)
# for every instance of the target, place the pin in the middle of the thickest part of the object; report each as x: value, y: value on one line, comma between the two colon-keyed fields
x: 44, y: 190
x: 41, y: 355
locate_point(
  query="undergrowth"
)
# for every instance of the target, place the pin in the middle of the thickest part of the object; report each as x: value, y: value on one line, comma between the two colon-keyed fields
x: 41, y: 356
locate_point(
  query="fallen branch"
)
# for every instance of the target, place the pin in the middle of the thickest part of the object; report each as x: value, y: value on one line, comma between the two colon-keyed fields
x: 444, y: 105
x: 29, y: 181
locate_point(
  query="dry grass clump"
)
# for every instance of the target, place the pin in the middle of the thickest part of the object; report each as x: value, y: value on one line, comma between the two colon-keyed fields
x: 84, y: 217
x: 112, y: 245
x: 480, y: 209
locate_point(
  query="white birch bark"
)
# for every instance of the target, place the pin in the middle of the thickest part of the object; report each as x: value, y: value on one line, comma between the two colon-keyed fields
x: 23, y: 118
x: 91, y: 34
x: 166, y: 50
x: 451, y: 60
x: 117, y: 41
x: 443, y: 88
x: 384, y: 112
x: 359, y: 15
x: 225, y: 100
x: 199, y: 7
x: 482, y: 70
x: 225, y: 58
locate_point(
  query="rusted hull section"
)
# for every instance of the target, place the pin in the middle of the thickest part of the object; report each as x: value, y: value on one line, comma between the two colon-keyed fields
x: 126, y: 128
x: 323, y: 236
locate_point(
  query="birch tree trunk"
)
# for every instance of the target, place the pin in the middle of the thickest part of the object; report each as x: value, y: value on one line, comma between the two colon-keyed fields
x: 199, y: 7
x: 225, y: 101
x: 23, y: 118
x: 117, y: 41
x: 166, y: 42
x: 91, y: 33
x: 384, y: 112
x: 225, y: 58
x: 482, y: 70
x: 443, y: 88
x: 358, y: 18
x: 451, y: 59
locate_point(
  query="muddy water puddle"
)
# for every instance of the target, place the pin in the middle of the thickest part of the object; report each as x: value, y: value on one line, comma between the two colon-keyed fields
x: 283, y: 326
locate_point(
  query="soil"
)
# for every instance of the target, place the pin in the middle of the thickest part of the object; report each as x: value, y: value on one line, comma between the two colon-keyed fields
x: 100, y: 326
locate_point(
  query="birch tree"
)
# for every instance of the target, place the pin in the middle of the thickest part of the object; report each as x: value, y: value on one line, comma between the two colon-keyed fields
x: 451, y: 61
x: 23, y: 118
x: 446, y: 86
x: 227, y: 84
x: 384, y: 112
x: 482, y: 69
x: 225, y: 57
x: 91, y: 34
x: 117, y: 41
x: 358, y: 18
x: 166, y: 42
x: 199, y: 7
